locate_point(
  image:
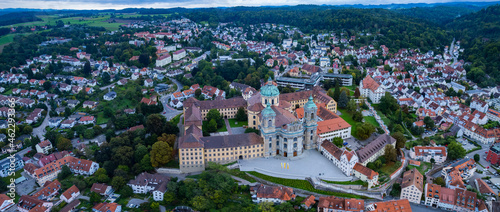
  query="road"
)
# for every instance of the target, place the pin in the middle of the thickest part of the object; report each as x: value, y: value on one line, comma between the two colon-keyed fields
x: 168, y: 111
x: 40, y: 131
x: 20, y: 153
x: 112, y: 84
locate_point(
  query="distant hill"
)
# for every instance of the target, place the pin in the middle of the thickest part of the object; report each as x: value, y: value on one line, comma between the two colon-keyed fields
x: 479, y: 33
x: 17, y: 17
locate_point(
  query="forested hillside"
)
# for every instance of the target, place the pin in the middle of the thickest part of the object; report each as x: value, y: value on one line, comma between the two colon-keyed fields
x: 479, y: 34
x: 439, y: 14
x: 18, y: 17
x: 396, y: 30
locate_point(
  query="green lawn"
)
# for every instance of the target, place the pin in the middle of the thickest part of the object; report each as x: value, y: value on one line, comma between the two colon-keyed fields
x: 389, y: 168
x: 101, y: 119
x: 357, y: 182
x: 347, y: 117
x: 303, y: 184
x: 424, y: 166
x: 7, y: 38
x: 371, y: 120
x: 176, y: 119
x: 8, y: 92
x: 384, y: 118
x: 232, y: 123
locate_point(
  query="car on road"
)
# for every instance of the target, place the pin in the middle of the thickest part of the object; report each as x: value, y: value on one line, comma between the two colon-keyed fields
x: 164, y: 112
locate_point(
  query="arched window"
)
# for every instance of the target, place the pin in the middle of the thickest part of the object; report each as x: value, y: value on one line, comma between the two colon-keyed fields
x: 277, y: 143
x: 312, y: 116
x: 270, y: 139
x: 270, y: 145
x: 269, y: 123
x: 286, y: 140
x: 272, y: 102
x: 294, y: 144
x: 295, y: 139
x: 266, y: 101
x: 285, y: 146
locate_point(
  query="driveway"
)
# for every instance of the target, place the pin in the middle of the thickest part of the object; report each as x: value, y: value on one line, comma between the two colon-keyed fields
x: 136, y: 201
x: 27, y: 186
x: 40, y: 131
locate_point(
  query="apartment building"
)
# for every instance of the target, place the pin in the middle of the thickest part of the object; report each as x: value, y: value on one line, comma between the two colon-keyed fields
x: 44, y: 147
x: 412, y: 186
x: 371, y: 89
x: 154, y: 183
x: 332, y: 203
x: 402, y: 205
x: 427, y: 153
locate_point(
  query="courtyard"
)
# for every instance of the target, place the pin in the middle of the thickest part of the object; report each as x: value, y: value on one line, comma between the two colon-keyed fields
x: 310, y: 164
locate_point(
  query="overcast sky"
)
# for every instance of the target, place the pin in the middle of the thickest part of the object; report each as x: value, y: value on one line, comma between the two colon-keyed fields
x: 120, y: 4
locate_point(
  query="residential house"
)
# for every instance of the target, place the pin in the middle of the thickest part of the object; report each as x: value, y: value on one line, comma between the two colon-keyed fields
x: 107, y: 207
x: 68, y: 123
x: 274, y: 194
x: 90, y: 104
x: 148, y: 83
x: 87, y: 120
x: 44, y: 147
x: 70, y: 194
x: 5, y: 202
x: 308, y: 202
x: 402, y: 205
x: 109, y: 96
x: 154, y: 183
x: 365, y: 174
x: 332, y: 203
x: 102, y: 189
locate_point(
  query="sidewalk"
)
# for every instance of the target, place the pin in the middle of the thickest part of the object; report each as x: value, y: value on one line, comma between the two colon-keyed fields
x: 228, y: 127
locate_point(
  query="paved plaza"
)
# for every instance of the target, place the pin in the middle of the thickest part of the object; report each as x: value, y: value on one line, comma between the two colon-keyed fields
x: 310, y: 164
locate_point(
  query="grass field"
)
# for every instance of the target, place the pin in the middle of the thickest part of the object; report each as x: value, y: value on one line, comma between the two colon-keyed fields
x: 371, y: 120
x: 302, y: 184
x: 389, y: 168
x: 7, y: 39
x: 424, y: 166
x: 232, y: 123
x: 357, y: 182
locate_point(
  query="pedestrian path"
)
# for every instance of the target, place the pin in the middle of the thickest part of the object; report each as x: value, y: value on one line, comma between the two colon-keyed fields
x: 228, y: 127
x: 377, y: 117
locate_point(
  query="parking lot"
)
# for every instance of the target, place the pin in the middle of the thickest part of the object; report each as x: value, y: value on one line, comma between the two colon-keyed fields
x: 27, y: 186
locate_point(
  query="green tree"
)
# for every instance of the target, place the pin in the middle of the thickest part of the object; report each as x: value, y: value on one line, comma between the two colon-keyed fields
x: 357, y: 93
x: 336, y: 92
x: 396, y: 190
x: 241, y: 115
x: 476, y: 157
x: 357, y: 116
x: 343, y: 100
x: 200, y: 203
x: 94, y: 197
x: 161, y: 154
x: 266, y: 207
x: 88, y: 134
x: 439, y: 181
x: 351, y: 106
x: 126, y: 192
x: 388, y: 103
x: 108, y: 112
x: 65, y: 172
x: 364, y: 130
x: 86, y: 69
x: 212, y: 126
x: 390, y: 153
x: 47, y: 85
x: 215, y: 115
x: 145, y: 163
x: 27, y: 130
x: 429, y: 123
x: 118, y: 182
x: 140, y: 151
x: 285, y: 207
x: 155, y: 123
x: 63, y: 144
x: 338, y: 141
x: 105, y: 78
x: 455, y: 151
x: 400, y: 140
